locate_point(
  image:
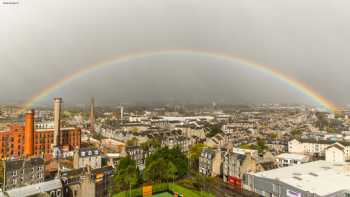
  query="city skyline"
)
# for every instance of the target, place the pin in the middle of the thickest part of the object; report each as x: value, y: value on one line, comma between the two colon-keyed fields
x: 174, y: 98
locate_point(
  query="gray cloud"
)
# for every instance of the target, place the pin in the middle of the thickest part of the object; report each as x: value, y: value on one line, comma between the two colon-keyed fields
x: 42, y: 41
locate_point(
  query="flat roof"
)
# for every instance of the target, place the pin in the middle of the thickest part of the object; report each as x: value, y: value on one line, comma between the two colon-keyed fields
x: 319, y: 177
x: 292, y: 156
x: 52, y: 129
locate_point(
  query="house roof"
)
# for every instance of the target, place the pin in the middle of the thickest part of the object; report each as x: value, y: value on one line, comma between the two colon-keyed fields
x: 35, y: 189
x: 292, y: 156
x: 336, y: 146
x: 344, y: 143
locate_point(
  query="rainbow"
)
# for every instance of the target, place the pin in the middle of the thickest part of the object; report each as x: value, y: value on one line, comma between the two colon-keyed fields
x: 302, y: 87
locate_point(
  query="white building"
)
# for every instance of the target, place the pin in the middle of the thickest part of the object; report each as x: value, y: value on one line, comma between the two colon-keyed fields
x: 242, y: 151
x: 335, y: 153
x: 316, y: 179
x: 289, y: 159
x: 87, y: 157
x: 316, y: 147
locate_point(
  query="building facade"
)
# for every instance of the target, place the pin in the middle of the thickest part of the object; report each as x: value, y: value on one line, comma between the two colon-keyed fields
x: 335, y: 153
x: 316, y: 147
x: 87, y: 182
x: 289, y: 159
x: 231, y: 167
x: 210, y: 162
x: 34, y: 140
x: 19, y: 173
x: 313, y: 179
x: 84, y: 157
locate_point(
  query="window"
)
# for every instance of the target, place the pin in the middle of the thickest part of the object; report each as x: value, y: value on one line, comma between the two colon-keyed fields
x: 58, y: 193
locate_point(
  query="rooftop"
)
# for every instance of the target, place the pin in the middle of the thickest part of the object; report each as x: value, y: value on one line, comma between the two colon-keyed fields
x: 36, y: 189
x: 313, y: 177
x: 292, y: 156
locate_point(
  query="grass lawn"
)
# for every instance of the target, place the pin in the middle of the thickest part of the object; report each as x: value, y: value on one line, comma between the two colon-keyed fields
x: 163, y: 195
x: 188, y: 192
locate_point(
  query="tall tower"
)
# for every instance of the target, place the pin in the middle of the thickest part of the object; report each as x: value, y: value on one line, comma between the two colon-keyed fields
x: 92, y: 115
x: 57, y: 120
x: 121, y: 112
x: 29, y: 133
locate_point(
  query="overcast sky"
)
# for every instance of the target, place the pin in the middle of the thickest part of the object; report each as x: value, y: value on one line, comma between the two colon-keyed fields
x: 42, y: 41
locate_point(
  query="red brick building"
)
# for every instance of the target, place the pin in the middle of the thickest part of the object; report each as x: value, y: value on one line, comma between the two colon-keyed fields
x: 20, y: 141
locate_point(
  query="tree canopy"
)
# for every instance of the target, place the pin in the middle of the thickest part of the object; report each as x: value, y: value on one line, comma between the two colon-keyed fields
x: 127, y: 174
x: 213, y: 129
x: 195, y: 152
x: 166, y: 164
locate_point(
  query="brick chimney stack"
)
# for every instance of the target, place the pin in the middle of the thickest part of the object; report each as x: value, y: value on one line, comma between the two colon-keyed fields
x: 29, y: 133
x: 92, y: 115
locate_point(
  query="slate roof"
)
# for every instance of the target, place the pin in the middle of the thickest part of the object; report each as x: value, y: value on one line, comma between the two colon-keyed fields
x: 35, y: 189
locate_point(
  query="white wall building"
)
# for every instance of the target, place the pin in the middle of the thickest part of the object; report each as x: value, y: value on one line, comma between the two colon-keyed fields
x: 289, y: 159
x: 312, y: 147
x: 87, y: 157
x: 316, y: 179
x: 335, y: 153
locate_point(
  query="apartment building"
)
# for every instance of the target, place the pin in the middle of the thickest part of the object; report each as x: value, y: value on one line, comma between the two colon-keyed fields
x: 316, y: 147
x: 210, y: 162
x: 19, y: 173
x: 289, y: 159
x: 231, y: 167
x: 183, y: 143
x: 236, y: 164
x: 84, y: 157
x: 138, y: 154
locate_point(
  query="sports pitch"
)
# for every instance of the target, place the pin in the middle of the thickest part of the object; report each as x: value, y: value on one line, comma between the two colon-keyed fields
x: 166, y: 194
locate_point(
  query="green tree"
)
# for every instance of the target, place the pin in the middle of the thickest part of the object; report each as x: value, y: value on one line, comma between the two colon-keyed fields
x: 127, y: 174
x: 331, y: 130
x: 194, y: 155
x: 261, y: 145
x: 296, y: 133
x: 132, y: 142
x: 160, y: 170
x: 151, y: 143
x: 171, y: 171
x: 246, y: 146
x: 213, y: 129
x: 273, y: 136
x: 158, y: 164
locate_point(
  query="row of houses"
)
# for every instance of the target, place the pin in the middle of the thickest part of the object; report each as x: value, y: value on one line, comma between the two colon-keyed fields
x: 72, y: 183
x: 318, y: 148
x: 233, y: 163
x: 32, y: 176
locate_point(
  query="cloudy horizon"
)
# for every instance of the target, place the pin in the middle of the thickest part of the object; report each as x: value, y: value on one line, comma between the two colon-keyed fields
x: 42, y: 42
